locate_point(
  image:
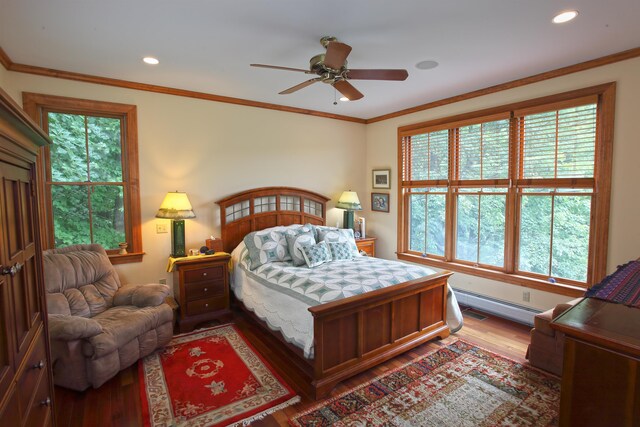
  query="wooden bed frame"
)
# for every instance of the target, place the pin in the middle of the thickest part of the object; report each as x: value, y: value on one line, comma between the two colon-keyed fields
x: 353, y: 334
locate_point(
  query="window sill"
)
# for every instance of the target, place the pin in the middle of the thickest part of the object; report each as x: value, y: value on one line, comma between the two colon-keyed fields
x: 126, y: 259
x: 528, y: 282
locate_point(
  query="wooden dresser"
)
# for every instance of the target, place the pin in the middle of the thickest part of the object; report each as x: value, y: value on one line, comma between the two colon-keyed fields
x: 203, y: 290
x: 26, y: 382
x: 601, y: 372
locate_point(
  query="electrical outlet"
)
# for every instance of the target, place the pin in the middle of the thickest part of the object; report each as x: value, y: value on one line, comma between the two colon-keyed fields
x: 161, y: 227
x: 526, y: 296
x: 162, y: 281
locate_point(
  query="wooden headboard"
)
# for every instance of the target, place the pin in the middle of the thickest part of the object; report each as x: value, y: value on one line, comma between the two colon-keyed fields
x: 261, y: 208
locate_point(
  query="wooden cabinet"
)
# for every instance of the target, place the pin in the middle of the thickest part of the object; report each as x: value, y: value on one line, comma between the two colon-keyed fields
x: 601, y: 372
x: 203, y: 290
x: 368, y: 245
x: 26, y: 391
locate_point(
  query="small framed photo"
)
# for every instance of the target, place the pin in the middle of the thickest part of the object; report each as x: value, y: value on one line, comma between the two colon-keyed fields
x: 381, y: 178
x: 380, y: 202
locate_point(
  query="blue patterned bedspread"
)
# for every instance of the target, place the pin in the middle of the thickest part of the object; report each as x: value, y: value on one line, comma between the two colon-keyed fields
x: 334, y: 280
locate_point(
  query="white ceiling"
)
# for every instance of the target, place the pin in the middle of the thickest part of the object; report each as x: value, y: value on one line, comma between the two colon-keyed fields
x: 207, y: 45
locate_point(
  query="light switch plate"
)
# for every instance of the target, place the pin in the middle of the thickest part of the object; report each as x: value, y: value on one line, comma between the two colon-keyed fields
x: 162, y: 227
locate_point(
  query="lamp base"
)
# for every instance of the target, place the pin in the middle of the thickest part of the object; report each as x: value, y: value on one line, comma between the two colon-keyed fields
x: 347, y: 219
x: 177, y: 238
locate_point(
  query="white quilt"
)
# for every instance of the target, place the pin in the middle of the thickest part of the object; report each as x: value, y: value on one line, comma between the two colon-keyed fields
x: 280, y: 294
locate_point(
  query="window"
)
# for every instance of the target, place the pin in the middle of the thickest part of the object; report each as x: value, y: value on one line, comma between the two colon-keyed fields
x: 518, y: 193
x: 91, y: 173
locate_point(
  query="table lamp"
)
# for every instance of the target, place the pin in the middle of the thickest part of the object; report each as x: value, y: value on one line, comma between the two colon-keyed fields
x: 349, y: 202
x: 177, y: 208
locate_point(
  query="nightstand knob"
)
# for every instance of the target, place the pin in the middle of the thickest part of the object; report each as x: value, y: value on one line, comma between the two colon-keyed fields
x: 206, y: 289
x: 204, y: 274
x: 206, y: 305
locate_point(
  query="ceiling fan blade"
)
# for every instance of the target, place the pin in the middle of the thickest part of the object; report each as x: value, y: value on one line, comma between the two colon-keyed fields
x: 347, y: 89
x: 299, y: 86
x: 377, y: 74
x: 336, y: 55
x: 277, y: 67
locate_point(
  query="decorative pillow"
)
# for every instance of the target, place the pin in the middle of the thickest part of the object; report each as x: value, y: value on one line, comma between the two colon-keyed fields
x: 317, y: 254
x: 267, y: 245
x: 338, y: 235
x: 296, y: 239
x: 340, y: 251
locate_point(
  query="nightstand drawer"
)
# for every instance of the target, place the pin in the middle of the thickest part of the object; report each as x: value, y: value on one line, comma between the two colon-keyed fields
x: 206, y: 305
x: 211, y: 288
x: 202, y: 274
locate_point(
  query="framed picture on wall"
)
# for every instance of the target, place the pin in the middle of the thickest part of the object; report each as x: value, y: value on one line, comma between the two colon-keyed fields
x: 381, y: 178
x: 380, y: 202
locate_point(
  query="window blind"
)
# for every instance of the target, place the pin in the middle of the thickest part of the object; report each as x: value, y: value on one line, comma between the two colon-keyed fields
x: 558, y: 144
x: 484, y: 151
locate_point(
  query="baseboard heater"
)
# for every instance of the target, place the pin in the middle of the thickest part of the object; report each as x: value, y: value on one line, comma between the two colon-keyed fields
x: 515, y: 312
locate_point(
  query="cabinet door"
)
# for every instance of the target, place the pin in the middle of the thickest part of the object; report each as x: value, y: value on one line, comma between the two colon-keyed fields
x: 17, y: 204
x: 6, y: 346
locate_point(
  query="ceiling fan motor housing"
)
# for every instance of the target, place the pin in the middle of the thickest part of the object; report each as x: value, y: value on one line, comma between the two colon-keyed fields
x: 328, y: 75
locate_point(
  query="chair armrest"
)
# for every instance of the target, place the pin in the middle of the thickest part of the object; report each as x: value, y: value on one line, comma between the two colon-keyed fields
x: 150, y: 295
x: 561, y: 308
x: 70, y: 328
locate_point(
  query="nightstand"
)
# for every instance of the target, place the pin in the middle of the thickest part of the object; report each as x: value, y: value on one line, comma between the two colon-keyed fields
x: 203, y: 292
x: 368, y: 245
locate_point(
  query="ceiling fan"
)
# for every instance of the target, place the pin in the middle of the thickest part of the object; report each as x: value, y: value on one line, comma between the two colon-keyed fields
x: 331, y: 68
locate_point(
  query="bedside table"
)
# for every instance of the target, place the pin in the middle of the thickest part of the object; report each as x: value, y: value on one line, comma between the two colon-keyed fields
x: 203, y: 290
x: 368, y: 245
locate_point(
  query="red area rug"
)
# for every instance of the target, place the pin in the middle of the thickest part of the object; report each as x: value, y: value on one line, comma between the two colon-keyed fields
x: 210, y: 377
x: 457, y: 385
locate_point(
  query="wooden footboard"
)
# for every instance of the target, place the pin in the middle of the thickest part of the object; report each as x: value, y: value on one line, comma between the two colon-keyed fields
x: 357, y: 333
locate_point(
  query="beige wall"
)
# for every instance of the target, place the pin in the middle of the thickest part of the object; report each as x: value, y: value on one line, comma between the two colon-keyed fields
x: 211, y: 150
x: 624, y: 234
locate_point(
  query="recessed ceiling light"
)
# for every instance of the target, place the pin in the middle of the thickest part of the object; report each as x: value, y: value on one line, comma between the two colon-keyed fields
x: 150, y: 60
x: 344, y: 99
x: 565, y: 16
x: 426, y: 65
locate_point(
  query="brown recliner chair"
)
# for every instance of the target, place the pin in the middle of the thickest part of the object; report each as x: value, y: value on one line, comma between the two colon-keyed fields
x: 546, y: 349
x: 97, y: 326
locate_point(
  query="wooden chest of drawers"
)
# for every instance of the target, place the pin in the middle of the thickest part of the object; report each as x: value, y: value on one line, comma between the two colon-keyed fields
x: 203, y: 290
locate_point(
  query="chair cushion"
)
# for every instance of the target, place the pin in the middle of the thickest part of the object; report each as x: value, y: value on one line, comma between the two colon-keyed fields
x: 79, y: 280
x: 122, y: 324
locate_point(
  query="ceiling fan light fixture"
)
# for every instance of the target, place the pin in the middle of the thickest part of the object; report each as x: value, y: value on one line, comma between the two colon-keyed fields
x: 426, y: 65
x: 565, y: 16
x: 344, y: 99
x: 150, y: 60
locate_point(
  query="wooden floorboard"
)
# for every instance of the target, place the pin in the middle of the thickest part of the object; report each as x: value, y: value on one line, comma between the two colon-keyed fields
x: 117, y: 402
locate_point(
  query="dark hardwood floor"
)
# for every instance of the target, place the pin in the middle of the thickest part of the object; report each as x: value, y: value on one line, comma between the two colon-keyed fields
x: 117, y: 403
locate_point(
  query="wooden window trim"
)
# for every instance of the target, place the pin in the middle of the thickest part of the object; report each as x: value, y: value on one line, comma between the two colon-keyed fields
x: 36, y: 105
x: 604, y: 94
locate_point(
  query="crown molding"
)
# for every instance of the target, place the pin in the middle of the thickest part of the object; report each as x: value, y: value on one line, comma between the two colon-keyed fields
x: 4, y: 59
x: 87, y: 78
x: 582, y: 66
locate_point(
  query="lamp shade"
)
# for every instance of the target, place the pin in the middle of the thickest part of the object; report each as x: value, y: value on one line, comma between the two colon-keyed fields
x: 349, y: 201
x: 176, y: 205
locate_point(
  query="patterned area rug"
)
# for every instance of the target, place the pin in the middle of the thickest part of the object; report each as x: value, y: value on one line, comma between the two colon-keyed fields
x: 457, y: 385
x: 210, y: 377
